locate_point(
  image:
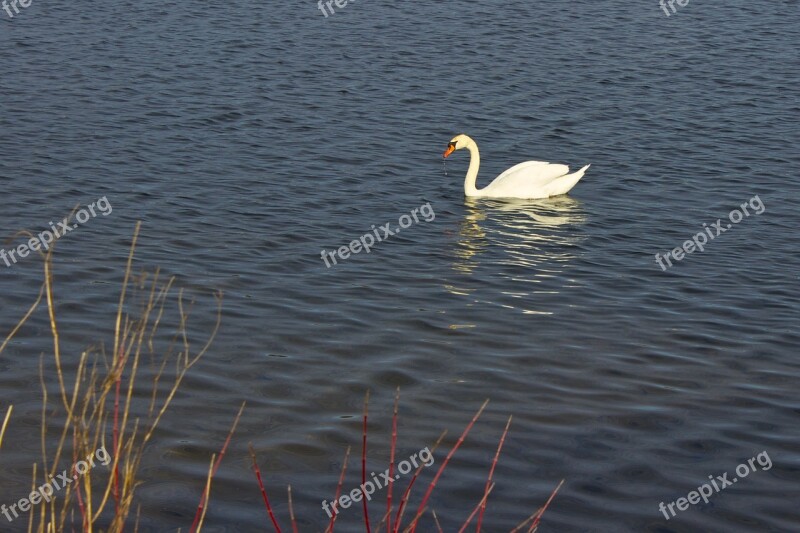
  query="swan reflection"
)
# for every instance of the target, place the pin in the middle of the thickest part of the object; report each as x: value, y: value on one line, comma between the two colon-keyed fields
x: 526, y: 241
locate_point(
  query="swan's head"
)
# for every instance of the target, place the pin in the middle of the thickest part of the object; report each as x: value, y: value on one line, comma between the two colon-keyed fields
x: 457, y: 143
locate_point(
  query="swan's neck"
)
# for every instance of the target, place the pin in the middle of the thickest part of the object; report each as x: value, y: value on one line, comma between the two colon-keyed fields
x: 472, y: 171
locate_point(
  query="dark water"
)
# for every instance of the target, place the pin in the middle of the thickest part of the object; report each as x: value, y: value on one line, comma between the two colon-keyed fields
x: 248, y: 136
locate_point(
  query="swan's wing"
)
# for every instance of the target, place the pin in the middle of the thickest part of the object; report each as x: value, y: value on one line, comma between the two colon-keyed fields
x: 519, y: 167
x: 527, y: 180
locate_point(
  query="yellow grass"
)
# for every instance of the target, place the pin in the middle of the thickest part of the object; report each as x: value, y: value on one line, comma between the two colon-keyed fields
x: 93, y: 402
x: 116, y: 401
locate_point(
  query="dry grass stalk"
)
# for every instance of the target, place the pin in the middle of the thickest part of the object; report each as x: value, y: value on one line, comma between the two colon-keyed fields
x: 291, y: 510
x: 100, y: 404
x: 5, y: 424
x: 197, y: 525
x: 97, y: 408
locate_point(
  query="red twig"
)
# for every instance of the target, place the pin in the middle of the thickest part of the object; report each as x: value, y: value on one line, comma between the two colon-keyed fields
x: 264, y: 491
x: 413, y: 526
x: 364, y: 464
x: 338, y: 492
x: 391, y: 464
x: 491, y: 474
x: 203, y: 499
x: 544, y: 508
x: 480, y: 505
x: 436, y: 519
x: 81, y: 506
x: 537, y: 515
x: 404, y: 500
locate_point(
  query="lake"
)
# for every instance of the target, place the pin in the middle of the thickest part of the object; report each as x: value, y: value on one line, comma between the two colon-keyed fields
x: 251, y: 137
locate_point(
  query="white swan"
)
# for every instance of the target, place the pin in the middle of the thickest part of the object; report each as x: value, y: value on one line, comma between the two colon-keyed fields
x: 531, y: 179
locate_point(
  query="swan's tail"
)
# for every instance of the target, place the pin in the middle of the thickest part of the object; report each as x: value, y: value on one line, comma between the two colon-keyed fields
x: 565, y: 183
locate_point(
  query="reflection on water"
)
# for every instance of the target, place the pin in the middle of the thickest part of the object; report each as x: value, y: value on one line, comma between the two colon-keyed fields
x: 523, y: 240
x: 530, y: 231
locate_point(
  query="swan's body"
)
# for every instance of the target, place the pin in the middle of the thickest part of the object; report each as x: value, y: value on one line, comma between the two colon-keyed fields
x: 531, y: 179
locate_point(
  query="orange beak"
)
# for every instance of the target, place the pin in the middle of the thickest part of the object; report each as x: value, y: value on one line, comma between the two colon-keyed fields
x: 450, y: 149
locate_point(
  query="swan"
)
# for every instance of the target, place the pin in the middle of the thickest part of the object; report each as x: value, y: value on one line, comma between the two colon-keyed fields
x: 530, y: 180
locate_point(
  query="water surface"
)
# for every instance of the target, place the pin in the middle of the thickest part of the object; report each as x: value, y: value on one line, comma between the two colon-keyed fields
x: 247, y: 137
